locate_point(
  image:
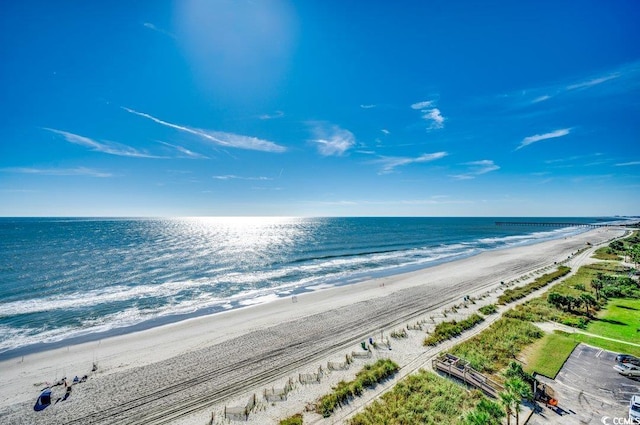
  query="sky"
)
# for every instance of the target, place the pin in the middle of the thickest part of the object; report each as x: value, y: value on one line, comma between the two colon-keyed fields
x: 319, y: 108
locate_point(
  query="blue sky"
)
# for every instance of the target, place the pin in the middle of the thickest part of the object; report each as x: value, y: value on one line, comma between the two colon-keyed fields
x: 320, y: 108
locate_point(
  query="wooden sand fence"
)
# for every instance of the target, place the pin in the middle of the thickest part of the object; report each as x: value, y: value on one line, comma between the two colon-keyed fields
x: 311, y: 378
x: 278, y: 394
x: 339, y: 365
x: 361, y: 354
x: 240, y: 413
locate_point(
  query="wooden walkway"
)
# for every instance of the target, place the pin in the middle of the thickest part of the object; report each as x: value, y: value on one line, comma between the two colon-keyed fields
x: 454, y: 366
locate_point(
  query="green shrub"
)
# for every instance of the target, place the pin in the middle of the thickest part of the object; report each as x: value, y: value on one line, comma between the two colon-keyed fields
x: 511, y: 295
x: 368, y: 377
x: 488, y: 309
x: 448, y: 330
x: 293, y: 420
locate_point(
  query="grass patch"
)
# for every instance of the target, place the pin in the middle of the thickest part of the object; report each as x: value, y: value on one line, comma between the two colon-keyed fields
x: 605, y: 344
x: 547, y: 355
x: 607, y: 254
x: 368, y: 377
x: 620, y: 320
x: 450, y: 329
x: 292, y: 420
x: 421, y: 398
x: 511, y: 295
x: 488, y: 309
x: 492, y: 349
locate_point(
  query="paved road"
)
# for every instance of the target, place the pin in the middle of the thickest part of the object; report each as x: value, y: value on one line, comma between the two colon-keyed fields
x: 589, y: 390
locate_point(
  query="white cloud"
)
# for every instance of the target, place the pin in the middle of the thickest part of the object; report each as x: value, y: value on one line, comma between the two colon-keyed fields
x: 184, y: 151
x: 389, y: 163
x: 477, y: 168
x: 275, y: 115
x: 385, y: 131
x: 593, y: 82
x: 332, y: 140
x: 430, y: 113
x: 436, y: 118
x: 220, y: 138
x: 422, y: 105
x: 367, y: 106
x: 234, y: 177
x: 78, y: 171
x: 538, y: 137
x: 541, y: 98
x: 625, y: 164
x: 152, y: 27
x: 110, y: 148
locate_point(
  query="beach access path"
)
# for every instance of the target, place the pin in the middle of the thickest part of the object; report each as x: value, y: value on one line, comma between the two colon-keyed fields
x: 171, y: 373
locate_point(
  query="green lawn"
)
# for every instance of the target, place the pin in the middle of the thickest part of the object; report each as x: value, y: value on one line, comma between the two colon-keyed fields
x: 547, y: 355
x: 605, y: 344
x: 619, y: 320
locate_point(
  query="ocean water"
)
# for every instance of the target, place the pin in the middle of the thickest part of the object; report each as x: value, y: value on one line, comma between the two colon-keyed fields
x: 73, y: 279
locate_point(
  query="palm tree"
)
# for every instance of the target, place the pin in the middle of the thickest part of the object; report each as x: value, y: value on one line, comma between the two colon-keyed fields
x: 519, y: 390
x: 588, y: 301
x: 597, y: 286
x: 508, y: 400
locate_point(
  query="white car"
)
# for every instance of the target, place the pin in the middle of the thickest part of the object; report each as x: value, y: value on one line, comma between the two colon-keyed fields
x: 627, y: 369
x: 634, y: 409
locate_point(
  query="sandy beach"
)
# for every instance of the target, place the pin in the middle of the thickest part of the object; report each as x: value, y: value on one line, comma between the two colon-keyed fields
x: 180, y: 373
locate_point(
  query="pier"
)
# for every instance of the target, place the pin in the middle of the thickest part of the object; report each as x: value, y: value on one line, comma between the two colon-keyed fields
x: 558, y: 224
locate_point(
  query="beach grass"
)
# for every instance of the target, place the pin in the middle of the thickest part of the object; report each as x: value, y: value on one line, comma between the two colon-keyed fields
x: 450, y: 329
x: 292, y: 420
x: 547, y: 355
x: 421, y: 398
x: 488, y: 309
x: 513, y: 294
x: 493, y: 349
x: 368, y: 377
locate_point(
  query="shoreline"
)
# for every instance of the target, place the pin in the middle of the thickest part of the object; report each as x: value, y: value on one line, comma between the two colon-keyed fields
x: 249, y: 345
x: 274, y: 294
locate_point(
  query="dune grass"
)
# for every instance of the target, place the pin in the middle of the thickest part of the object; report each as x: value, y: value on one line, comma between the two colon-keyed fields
x: 368, y: 377
x: 450, y: 329
x: 292, y: 420
x: 511, y: 295
x: 547, y: 355
x: 421, y: 398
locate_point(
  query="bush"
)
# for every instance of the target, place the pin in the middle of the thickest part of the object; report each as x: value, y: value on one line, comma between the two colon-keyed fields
x: 447, y: 330
x: 511, y: 295
x: 293, y: 420
x: 368, y: 377
x: 488, y: 309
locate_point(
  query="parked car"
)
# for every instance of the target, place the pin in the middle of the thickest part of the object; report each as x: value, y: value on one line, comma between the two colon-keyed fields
x: 627, y: 369
x: 627, y: 358
x: 634, y: 409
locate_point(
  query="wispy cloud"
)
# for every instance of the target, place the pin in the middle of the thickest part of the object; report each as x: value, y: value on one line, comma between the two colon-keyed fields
x: 78, y: 171
x: 626, y: 164
x: 152, y: 27
x: 477, y: 168
x: 110, y: 148
x: 234, y: 177
x: 331, y: 140
x: 367, y: 106
x: 385, y: 131
x: 592, y: 82
x: 538, y: 137
x: 422, y: 105
x: 185, y: 153
x: 275, y: 115
x: 390, y: 163
x: 430, y: 113
x: 220, y: 138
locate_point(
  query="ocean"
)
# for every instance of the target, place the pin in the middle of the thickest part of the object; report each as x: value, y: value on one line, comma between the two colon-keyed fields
x: 67, y: 280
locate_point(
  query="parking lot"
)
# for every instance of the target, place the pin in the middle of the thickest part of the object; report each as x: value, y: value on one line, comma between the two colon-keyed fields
x: 589, y: 391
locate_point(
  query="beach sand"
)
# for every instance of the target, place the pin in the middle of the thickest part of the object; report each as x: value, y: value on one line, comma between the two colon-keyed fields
x: 180, y: 373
